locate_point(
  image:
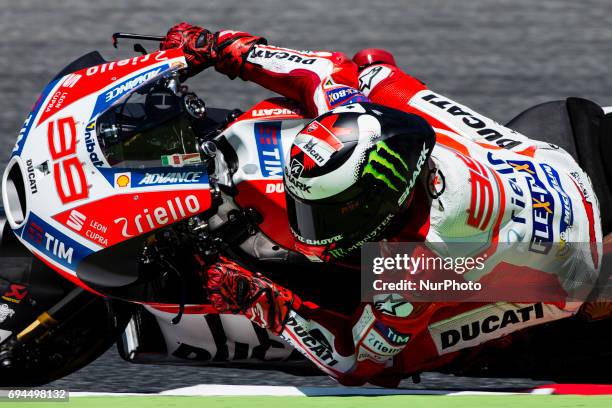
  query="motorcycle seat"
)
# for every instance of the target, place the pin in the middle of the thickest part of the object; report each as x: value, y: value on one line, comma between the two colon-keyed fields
x: 583, y: 129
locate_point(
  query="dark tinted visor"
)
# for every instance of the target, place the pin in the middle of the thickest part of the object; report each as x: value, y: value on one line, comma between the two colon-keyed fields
x: 326, y: 223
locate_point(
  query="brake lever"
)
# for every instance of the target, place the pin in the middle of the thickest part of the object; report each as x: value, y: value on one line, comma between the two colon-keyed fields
x: 132, y: 36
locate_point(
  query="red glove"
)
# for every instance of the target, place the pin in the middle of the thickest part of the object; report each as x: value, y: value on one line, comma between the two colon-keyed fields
x: 226, y: 50
x: 197, y: 44
x: 233, y: 289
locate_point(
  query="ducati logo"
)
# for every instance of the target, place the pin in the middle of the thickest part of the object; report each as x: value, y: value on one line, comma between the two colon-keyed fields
x: 296, y: 168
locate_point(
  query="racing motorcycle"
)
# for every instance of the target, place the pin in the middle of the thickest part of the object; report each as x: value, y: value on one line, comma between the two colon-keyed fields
x: 123, y: 184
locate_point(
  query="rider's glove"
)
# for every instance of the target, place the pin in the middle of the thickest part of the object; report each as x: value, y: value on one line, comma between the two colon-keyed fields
x: 233, y: 289
x: 197, y: 43
x: 226, y: 50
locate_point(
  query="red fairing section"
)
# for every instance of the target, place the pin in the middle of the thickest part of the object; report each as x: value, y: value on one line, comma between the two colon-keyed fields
x: 268, y: 197
x: 274, y: 109
x: 94, y: 78
x: 141, y: 213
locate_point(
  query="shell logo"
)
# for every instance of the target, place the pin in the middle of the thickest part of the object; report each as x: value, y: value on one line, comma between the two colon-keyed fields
x: 122, y: 180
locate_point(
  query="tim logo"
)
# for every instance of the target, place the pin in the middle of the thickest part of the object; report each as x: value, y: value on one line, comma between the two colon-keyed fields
x: 269, y: 148
x: 481, y: 201
x: 35, y: 233
x: 76, y: 220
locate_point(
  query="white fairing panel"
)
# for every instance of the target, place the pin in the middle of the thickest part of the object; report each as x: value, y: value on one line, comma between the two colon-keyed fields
x: 261, y: 147
x: 222, y: 337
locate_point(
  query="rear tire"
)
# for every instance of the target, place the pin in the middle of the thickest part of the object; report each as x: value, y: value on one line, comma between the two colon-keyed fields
x: 572, y: 350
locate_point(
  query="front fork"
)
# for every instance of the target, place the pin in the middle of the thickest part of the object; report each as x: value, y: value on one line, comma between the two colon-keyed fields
x: 44, y: 325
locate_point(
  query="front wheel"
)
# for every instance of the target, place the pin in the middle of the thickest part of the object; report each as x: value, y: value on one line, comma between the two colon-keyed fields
x: 28, y: 288
x: 66, y: 349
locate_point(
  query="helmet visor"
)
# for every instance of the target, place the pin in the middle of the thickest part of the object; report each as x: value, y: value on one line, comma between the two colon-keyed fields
x: 322, y: 224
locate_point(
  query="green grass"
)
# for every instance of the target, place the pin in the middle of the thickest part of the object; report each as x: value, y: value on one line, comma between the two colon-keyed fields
x: 521, y: 401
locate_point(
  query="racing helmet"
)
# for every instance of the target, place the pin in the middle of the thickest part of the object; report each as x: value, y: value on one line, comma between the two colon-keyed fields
x: 349, y: 173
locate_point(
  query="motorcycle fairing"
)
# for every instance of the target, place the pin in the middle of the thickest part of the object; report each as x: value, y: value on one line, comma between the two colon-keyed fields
x: 262, y: 137
x: 67, y: 187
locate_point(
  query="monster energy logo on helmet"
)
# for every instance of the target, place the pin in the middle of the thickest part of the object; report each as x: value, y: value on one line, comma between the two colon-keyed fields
x: 387, y: 166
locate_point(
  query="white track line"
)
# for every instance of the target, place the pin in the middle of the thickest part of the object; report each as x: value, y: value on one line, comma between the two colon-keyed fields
x: 209, y: 390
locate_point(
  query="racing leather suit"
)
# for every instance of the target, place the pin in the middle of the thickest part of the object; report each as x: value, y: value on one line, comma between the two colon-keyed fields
x: 485, y: 183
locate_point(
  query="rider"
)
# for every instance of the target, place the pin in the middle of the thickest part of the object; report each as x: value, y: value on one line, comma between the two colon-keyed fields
x: 396, y: 161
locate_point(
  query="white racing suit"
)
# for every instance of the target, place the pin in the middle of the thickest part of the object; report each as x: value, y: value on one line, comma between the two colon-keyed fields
x: 485, y: 184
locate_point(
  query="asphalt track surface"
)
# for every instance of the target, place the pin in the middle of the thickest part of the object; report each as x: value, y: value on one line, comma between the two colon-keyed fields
x: 498, y: 57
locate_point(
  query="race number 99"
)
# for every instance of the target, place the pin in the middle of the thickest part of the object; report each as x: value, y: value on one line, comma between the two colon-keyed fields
x: 70, y: 181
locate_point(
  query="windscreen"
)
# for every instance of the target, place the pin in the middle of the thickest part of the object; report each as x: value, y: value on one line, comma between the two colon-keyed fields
x: 149, y: 127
